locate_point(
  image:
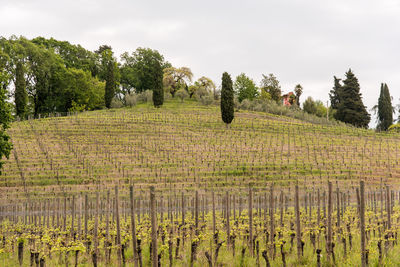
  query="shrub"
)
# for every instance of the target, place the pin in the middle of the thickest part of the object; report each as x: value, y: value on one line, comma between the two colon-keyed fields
x: 182, y: 94
x: 207, y: 100
x: 130, y: 99
x: 146, y: 96
x: 116, y: 103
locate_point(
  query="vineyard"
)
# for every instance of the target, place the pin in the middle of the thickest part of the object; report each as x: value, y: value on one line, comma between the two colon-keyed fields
x: 173, y: 186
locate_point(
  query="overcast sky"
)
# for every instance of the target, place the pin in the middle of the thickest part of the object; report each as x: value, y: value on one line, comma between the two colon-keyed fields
x: 306, y: 42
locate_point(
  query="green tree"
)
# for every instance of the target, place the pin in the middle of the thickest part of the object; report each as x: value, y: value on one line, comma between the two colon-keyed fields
x: 335, y: 93
x: 314, y: 107
x: 5, y: 111
x: 203, y: 84
x: 139, y: 69
x: 20, y: 94
x: 227, y: 104
x: 158, y: 88
x: 110, y: 85
x: 385, y: 109
x: 270, y: 85
x: 73, y: 56
x: 176, y: 78
x: 245, y: 88
x: 351, y: 108
x: 309, y: 106
x: 298, y: 90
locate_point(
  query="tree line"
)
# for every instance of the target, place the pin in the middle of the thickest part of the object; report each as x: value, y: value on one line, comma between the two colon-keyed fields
x: 47, y: 75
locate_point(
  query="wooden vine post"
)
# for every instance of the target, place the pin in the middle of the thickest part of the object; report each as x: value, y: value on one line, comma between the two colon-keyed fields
x: 329, y: 222
x: 119, y: 247
x: 134, y: 242
x: 362, y: 225
x: 297, y: 211
x: 154, y: 255
x: 251, y: 220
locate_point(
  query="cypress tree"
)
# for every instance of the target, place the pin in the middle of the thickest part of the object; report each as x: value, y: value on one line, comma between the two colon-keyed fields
x: 110, y: 84
x: 385, y: 109
x: 351, y: 108
x: 158, y: 90
x: 227, y: 105
x: 335, y: 93
x: 21, y: 96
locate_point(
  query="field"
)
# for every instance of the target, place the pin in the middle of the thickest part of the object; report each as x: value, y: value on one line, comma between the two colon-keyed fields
x: 65, y: 191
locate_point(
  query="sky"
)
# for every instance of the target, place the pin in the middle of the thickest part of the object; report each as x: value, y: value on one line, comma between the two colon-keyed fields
x: 300, y: 42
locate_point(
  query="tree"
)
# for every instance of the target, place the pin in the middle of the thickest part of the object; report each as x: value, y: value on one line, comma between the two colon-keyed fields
x: 336, y: 93
x: 309, y: 106
x: 110, y: 85
x: 351, y: 108
x: 206, y: 85
x: 298, y: 90
x: 20, y: 94
x: 245, y: 88
x: 385, y: 109
x: 227, y: 105
x: 139, y: 69
x: 314, y: 107
x: 182, y: 94
x: 5, y: 113
x: 158, y: 89
x: 176, y: 78
x: 270, y: 85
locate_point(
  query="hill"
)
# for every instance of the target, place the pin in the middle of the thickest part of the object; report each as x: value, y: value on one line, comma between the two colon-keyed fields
x: 183, y: 146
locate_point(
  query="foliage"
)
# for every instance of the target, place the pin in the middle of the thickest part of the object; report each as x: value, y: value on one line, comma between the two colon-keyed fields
x: 336, y: 93
x: 351, y: 108
x: 385, y: 109
x: 309, y: 106
x: 110, y: 85
x: 298, y: 90
x: 130, y: 99
x: 182, y: 94
x: 176, y: 78
x: 394, y: 128
x: 227, y: 106
x: 245, y: 88
x: 20, y: 95
x: 314, y: 107
x: 5, y: 120
x: 270, y: 85
x: 116, y: 103
x: 139, y: 69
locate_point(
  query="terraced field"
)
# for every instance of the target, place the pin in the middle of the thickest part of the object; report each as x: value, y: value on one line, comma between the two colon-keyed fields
x: 186, y: 146
x: 102, y: 187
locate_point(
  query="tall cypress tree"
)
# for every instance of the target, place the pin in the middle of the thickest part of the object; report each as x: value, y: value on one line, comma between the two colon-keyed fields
x: 110, y: 84
x: 335, y: 93
x: 351, y: 108
x: 158, y: 91
x: 385, y: 109
x: 21, y: 96
x: 227, y: 105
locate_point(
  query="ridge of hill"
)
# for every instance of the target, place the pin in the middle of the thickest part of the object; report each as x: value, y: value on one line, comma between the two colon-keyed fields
x: 183, y: 146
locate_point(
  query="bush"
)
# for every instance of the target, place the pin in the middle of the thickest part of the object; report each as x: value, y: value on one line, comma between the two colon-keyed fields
x: 116, y: 103
x: 394, y: 128
x: 146, y: 96
x: 200, y: 93
x: 245, y: 104
x: 130, y: 99
x: 182, y: 94
x: 76, y: 107
x: 167, y: 95
x: 294, y: 111
x: 207, y: 100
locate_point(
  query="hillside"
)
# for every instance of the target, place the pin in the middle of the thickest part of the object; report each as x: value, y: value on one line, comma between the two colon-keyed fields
x: 186, y: 145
